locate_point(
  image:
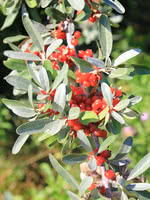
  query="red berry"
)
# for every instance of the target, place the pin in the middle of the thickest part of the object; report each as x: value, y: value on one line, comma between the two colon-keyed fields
x: 89, y: 53
x: 106, y: 154
x: 74, y: 42
x: 77, y: 126
x: 81, y: 53
x: 40, y: 105
x: 110, y: 174
x: 86, y: 84
x: 102, y: 190
x: 72, y: 52
x: 100, y: 160
x: 116, y: 101
x: 43, y: 92
x: 92, y: 187
x: 118, y: 93
x: 92, y: 18
x: 77, y: 34
x: 71, y: 123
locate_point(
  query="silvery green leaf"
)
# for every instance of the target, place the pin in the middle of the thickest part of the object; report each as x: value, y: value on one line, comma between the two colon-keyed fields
x: 60, y: 98
x: 85, y: 184
x: 122, y: 105
x: 77, y: 4
x: 41, y: 28
x: 21, y: 83
x: 14, y: 39
x: 84, y: 141
x: 19, y: 143
x: 61, y: 76
x: 83, y: 65
x: 120, y: 163
x: 123, y: 196
x: 30, y: 95
x: 109, y: 140
x: 53, y: 46
x: 73, y: 196
x: 107, y: 94
x: 62, y: 172
x: 118, y: 117
x: 72, y: 159
x: 125, y: 148
x: 116, y: 19
x: 120, y: 72
x: 19, y: 108
x: 92, y: 165
x: 105, y: 36
x: 15, y: 64
x: 116, y: 5
x: 45, y: 3
x: 33, y: 32
x: 138, y: 186
x: 141, y: 167
x: 130, y: 114
x: 95, y: 61
x: 134, y: 100
x: 44, y: 80
x: 74, y: 113
x: 126, y: 56
x: 21, y: 55
x: 35, y: 75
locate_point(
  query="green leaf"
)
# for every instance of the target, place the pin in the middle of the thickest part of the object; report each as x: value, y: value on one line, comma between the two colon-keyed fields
x: 52, y: 47
x: 88, y: 116
x: 74, y: 113
x: 44, y: 80
x: 45, y: 3
x: 47, y: 135
x: 116, y: 73
x: 19, y: 108
x: 33, y: 33
x: 83, y: 65
x: 39, y: 126
x: 125, y: 148
x: 61, y: 76
x: 116, y: 5
x: 30, y: 95
x: 21, y: 83
x: 92, y: 165
x: 14, y: 39
x: 141, y: 195
x: 134, y: 100
x: 21, y: 55
x: 77, y: 4
x: 34, y: 74
x: 63, y: 134
x: 60, y: 98
x: 15, y: 64
x: 85, y: 184
x: 19, y: 143
x: 107, y: 94
x: 72, y: 159
x: 105, y: 36
x: 84, y: 141
x: 109, y: 140
x: 113, y: 126
x: 139, y: 70
x: 118, y: 117
x: 31, y: 3
x: 96, y: 62
x: 73, y: 196
x: 126, y: 56
x: 103, y: 113
x: 123, y: 196
x: 84, y: 15
x: 55, y: 14
x: 130, y: 114
x: 122, y: 105
x: 66, y: 176
x: 141, y: 167
x: 138, y: 186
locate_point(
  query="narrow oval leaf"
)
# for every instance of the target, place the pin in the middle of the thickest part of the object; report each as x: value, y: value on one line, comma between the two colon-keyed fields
x: 73, y: 196
x: 83, y: 65
x: 141, y: 167
x: 60, y: 98
x: 135, y: 100
x: 34, y: 74
x: 113, y: 126
x: 117, y: 73
x: 10, y: 19
x: 44, y: 80
x: 138, y: 186
x: 30, y: 95
x: 105, y: 36
x: 21, y: 83
x: 123, y: 196
x: 19, y: 143
x: 109, y: 140
x: 45, y: 3
x: 72, y: 159
x: 21, y: 55
x: 126, y: 56
x: 84, y: 141
x: 92, y: 164
x: 77, y: 4
x: 74, y: 113
x: 15, y: 64
x: 87, y: 117
x: 66, y: 176
x: 85, y: 184
x: 116, y: 5
x: 52, y: 47
x: 118, y: 117
x: 107, y: 94
x: 14, y: 39
x: 130, y: 114
x: 31, y: 3
x: 96, y: 62
x: 122, y: 105
x: 103, y: 113
x: 33, y: 33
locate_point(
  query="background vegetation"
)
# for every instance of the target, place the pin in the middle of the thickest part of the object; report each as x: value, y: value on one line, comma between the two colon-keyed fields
x: 28, y: 175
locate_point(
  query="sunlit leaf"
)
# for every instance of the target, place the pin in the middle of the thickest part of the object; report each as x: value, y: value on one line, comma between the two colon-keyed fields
x: 19, y: 143
x: 74, y: 113
x: 138, y: 186
x: 72, y: 159
x: 84, y: 141
x: 85, y: 184
x: 77, y: 4
x: 116, y: 5
x: 109, y: 140
x: 52, y: 47
x: 107, y: 94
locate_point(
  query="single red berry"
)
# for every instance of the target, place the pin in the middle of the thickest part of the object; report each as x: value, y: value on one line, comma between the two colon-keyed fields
x: 118, y: 93
x: 116, y: 101
x: 72, y: 52
x: 102, y: 190
x: 74, y: 42
x: 77, y: 34
x: 106, y: 153
x: 110, y: 174
x: 92, y: 187
x: 88, y: 101
x: 40, y: 105
x: 81, y: 53
x: 89, y: 53
x: 71, y: 123
x: 92, y: 18
x: 77, y: 126
x: 100, y: 160
x: 86, y: 84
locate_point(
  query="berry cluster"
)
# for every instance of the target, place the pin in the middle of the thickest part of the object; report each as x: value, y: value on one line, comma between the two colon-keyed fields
x: 60, y: 33
x: 77, y: 35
